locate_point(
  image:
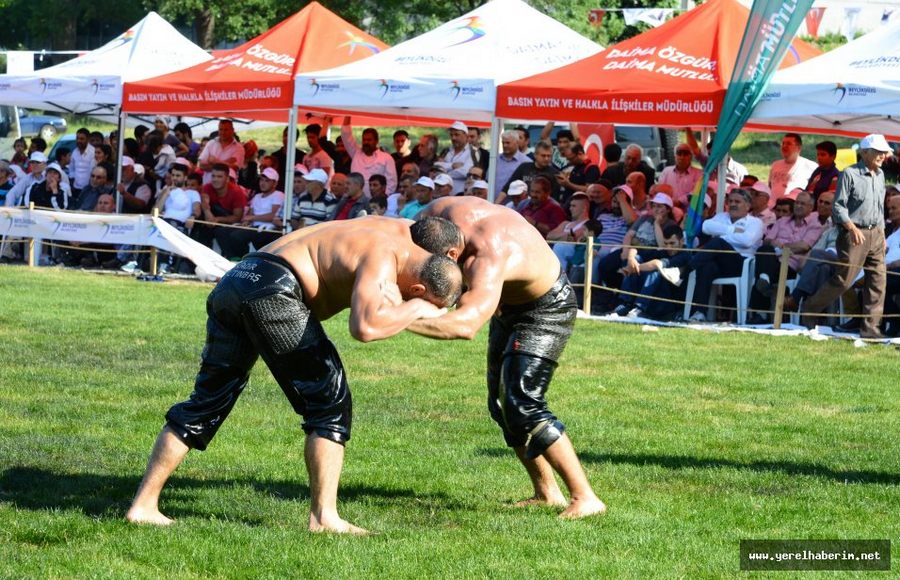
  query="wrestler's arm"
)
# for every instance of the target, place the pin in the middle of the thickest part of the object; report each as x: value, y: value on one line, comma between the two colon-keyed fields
x: 372, y: 317
x: 475, y: 306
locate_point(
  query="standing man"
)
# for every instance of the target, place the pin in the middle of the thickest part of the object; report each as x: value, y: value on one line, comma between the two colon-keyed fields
x: 82, y: 162
x: 514, y: 281
x: 369, y: 159
x: 682, y: 176
x: 224, y: 149
x: 509, y: 160
x: 460, y: 156
x: 858, y: 213
x: 271, y: 304
x: 826, y: 175
x: 482, y: 155
x: 317, y: 158
x: 792, y: 171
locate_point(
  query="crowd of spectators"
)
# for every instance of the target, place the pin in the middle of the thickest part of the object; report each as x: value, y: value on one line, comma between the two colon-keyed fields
x: 634, y: 216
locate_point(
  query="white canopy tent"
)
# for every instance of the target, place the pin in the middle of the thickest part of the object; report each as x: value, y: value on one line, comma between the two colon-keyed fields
x: 91, y: 84
x: 450, y: 72
x: 852, y: 90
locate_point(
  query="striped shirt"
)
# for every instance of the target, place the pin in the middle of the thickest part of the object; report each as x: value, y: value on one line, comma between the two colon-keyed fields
x: 614, y: 230
x: 314, y: 211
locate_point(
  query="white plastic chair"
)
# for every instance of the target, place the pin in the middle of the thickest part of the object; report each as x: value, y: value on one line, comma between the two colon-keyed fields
x: 742, y: 285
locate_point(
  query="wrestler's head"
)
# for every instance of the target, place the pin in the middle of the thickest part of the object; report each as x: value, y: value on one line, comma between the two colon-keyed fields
x: 440, y: 282
x: 438, y: 236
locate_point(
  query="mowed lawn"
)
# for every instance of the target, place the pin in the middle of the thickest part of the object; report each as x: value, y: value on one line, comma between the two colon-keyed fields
x: 694, y: 440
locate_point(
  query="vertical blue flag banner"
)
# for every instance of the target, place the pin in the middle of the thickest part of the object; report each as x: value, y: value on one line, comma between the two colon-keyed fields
x: 770, y: 31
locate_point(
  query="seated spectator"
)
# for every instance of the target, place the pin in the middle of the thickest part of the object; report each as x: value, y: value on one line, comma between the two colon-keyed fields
x: 600, y: 195
x: 784, y: 207
x: 397, y: 201
x: 134, y: 191
x: 823, y: 207
x: 178, y: 206
x: 422, y: 196
x: 316, y: 204
x: 410, y: 170
x: 825, y: 176
x: 248, y: 175
x: 735, y: 235
x: 63, y: 159
x: 573, y: 230
x: 443, y: 185
x: 798, y: 234
x: 52, y: 193
x: 539, y: 209
x: 6, y: 180
x: 475, y: 174
x: 576, y: 176
x: 187, y: 147
x: 514, y: 195
x: 377, y: 186
x: 659, y: 281
x: 264, y: 207
x: 378, y: 206
x: 640, y: 244
x: 479, y: 189
x: 682, y: 176
x: 759, y: 203
x: 97, y: 186
x: 103, y: 154
x: 221, y: 202
x: 637, y: 181
x: 20, y: 157
x: 356, y: 202
x: 90, y: 255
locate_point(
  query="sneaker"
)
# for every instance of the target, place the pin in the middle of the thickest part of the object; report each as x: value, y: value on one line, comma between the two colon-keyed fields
x: 671, y: 275
x: 764, y: 285
x: 131, y: 267
x: 697, y: 317
x: 163, y: 269
x: 622, y: 310
x: 634, y: 313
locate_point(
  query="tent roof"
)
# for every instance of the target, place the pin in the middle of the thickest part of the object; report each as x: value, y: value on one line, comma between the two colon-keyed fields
x: 258, y: 75
x: 149, y: 48
x: 852, y: 90
x: 675, y: 75
x: 451, y: 71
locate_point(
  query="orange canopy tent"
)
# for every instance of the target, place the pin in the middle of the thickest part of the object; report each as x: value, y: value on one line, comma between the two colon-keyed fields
x: 255, y: 79
x: 675, y: 75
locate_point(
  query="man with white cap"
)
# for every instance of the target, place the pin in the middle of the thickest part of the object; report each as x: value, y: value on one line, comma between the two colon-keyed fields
x: 443, y: 185
x: 37, y: 164
x: 513, y: 196
x: 479, y: 189
x: 460, y: 156
x: 423, y: 194
x: 316, y: 204
x: 858, y: 213
x: 759, y: 203
x: 264, y: 207
x: 133, y: 190
x: 368, y: 159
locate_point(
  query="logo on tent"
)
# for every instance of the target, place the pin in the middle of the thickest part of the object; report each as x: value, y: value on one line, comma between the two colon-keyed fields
x: 852, y: 91
x: 122, y: 40
x: 9, y: 221
x: 385, y: 87
x: 356, y: 40
x: 455, y: 89
x: 95, y: 86
x: 473, y: 28
x: 840, y: 89
x: 315, y: 85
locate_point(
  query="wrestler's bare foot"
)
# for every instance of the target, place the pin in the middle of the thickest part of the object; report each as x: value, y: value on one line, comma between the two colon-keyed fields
x: 582, y: 508
x: 556, y: 500
x: 138, y: 515
x: 335, y: 526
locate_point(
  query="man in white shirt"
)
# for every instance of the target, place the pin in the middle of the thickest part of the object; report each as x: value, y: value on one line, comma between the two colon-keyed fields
x: 368, y: 160
x: 223, y: 149
x: 459, y: 156
x: 82, y: 161
x: 737, y: 235
x: 792, y: 171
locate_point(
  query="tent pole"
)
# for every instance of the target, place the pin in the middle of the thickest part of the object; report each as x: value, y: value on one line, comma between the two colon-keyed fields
x: 496, y: 129
x: 721, y: 184
x: 120, y: 148
x: 290, y: 157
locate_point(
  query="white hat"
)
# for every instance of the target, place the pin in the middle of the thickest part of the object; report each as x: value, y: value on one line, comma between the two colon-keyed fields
x: 761, y: 187
x: 662, y: 199
x: 876, y: 142
x: 139, y: 169
x: 443, y: 179
x: 301, y: 169
x: 318, y: 175
x: 38, y: 157
x: 426, y: 182
x: 162, y: 118
x: 127, y: 161
x: 480, y: 184
x: 459, y: 126
x: 55, y: 167
x: 628, y: 192
x: 269, y: 173
x: 516, y: 188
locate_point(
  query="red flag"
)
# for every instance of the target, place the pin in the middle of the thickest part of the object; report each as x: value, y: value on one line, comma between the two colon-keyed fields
x: 595, y: 16
x: 813, y: 20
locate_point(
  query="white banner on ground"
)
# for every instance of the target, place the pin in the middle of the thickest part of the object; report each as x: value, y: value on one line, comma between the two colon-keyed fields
x: 114, y: 229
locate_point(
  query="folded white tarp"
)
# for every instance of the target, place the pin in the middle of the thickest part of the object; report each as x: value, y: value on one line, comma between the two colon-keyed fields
x: 851, y: 90
x: 113, y: 229
x: 452, y: 71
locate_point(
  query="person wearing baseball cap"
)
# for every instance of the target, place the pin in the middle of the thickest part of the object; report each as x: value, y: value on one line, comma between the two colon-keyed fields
x: 479, y: 189
x: 459, y: 156
x: 423, y: 193
x: 443, y: 185
x: 759, y: 203
x: 37, y: 165
x: 264, y: 207
x: 858, y: 213
x: 316, y: 204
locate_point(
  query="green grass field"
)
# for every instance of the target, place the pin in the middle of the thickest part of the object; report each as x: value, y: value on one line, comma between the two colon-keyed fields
x: 694, y: 440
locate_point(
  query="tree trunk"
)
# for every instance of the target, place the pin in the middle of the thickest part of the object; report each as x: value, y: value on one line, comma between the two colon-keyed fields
x: 205, y: 23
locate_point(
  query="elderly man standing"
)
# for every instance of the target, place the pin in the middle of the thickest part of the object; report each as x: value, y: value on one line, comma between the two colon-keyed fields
x: 460, y: 156
x: 224, y: 149
x: 369, y: 160
x: 792, y: 171
x: 858, y: 213
x: 509, y: 159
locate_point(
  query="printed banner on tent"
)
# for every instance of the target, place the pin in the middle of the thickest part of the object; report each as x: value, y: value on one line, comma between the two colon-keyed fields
x: 113, y: 229
x: 770, y: 30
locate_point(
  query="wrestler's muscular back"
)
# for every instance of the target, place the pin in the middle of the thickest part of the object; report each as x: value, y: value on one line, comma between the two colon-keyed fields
x: 528, y: 266
x: 326, y: 257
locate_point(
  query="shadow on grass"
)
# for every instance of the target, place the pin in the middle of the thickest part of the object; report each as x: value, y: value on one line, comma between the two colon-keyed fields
x: 103, y: 495
x: 683, y: 462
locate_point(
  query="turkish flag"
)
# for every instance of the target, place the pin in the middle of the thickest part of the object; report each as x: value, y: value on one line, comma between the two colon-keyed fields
x: 813, y: 20
x: 595, y: 16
